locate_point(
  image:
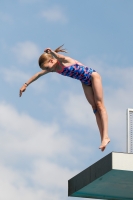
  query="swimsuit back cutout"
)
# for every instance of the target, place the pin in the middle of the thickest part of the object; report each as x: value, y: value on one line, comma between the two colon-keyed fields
x: 77, y: 71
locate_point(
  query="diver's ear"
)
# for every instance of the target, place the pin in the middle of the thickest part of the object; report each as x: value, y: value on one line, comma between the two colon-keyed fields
x: 51, y: 60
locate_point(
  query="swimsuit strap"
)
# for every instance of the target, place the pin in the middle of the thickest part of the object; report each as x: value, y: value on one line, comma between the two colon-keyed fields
x: 62, y: 66
x: 59, y: 63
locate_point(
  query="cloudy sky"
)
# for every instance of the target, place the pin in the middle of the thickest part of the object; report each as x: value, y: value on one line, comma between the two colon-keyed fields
x: 49, y: 134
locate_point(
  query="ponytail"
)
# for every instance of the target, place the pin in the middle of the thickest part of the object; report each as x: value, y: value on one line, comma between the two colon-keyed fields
x: 59, y: 49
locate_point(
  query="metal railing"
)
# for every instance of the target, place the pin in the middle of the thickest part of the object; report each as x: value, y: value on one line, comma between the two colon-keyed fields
x: 129, y: 120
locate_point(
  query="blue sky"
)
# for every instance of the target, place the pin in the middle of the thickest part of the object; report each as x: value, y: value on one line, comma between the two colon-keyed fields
x: 49, y: 134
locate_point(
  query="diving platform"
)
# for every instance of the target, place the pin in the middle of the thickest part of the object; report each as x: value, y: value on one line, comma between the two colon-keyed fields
x: 109, y: 178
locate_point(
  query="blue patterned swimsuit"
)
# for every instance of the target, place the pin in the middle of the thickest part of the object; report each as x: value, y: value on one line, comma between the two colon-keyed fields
x: 77, y: 71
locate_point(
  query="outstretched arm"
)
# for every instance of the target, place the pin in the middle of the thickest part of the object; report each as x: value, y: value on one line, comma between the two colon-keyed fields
x: 33, y: 78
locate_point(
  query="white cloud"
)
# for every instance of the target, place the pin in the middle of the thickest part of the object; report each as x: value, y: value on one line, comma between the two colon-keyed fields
x: 27, y: 142
x: 50, y: 178
x: 78, y: 110
x: 26, y: 135
x: 15, y: 182
x: 55, y: 14
x: 13, y: 75
x: 6, y: 17
x: 26, y: 52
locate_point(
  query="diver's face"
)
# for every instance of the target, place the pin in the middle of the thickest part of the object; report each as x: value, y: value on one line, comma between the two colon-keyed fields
x: 49, y: 65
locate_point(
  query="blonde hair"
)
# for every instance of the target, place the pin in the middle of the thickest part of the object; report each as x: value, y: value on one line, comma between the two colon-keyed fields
x: 46, y: 56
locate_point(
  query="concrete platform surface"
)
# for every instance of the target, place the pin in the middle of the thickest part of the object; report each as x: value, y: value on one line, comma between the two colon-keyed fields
x: 109, y: 178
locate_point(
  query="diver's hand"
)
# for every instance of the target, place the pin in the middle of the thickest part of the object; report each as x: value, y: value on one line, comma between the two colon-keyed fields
x: 22, y: 89
x: 48, y: 50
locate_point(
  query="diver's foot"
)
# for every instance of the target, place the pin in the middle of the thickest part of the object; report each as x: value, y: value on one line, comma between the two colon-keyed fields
x: 104, y: 144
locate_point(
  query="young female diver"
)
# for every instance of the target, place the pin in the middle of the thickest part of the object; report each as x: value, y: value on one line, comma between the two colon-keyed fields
x: 52, y: 61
